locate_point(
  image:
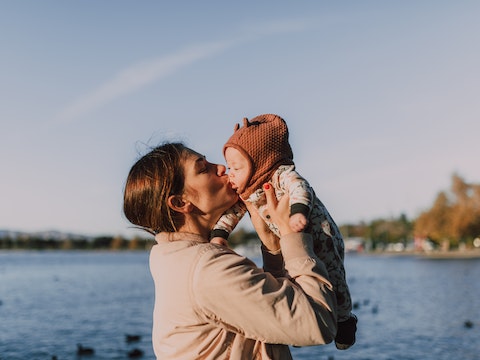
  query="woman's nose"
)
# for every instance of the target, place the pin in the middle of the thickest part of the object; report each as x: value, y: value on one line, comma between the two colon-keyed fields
x: 221, y: 170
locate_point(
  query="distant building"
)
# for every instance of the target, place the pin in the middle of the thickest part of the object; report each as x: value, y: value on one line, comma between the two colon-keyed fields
x: 354, y: 244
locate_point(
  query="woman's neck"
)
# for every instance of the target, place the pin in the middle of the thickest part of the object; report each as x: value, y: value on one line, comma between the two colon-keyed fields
x: 200, y: 223
x: 195, y: 227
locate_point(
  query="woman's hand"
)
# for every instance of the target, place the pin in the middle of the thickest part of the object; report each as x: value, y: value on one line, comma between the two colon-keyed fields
x: 278, y: 211
x: 269, y: 240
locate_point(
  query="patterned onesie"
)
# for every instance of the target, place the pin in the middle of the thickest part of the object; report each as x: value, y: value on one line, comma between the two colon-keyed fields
x: 327, y: 240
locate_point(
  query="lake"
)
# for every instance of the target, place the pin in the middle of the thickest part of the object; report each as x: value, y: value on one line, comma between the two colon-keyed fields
x: 408, y: 307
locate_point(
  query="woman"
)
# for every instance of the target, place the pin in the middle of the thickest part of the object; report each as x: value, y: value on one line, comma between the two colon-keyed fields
x: 211, y: 303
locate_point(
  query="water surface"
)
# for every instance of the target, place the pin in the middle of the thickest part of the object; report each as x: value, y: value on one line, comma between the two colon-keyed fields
x: 408, y: 308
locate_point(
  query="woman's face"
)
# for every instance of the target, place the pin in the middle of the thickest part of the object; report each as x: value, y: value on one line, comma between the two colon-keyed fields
x: 207, y: 186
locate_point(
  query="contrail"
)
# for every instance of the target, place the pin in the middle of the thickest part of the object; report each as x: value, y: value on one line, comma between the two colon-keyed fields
x: 144, y: 73
x: 138, y: 76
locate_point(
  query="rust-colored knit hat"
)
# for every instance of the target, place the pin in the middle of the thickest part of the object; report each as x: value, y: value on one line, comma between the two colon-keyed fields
x: 264, y: 142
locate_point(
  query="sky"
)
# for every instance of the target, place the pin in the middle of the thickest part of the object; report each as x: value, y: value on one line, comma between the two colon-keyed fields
x: 381, y: 99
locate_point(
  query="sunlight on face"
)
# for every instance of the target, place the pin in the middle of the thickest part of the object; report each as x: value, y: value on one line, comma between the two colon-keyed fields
x: 207, y: 186
x: 238, y: 168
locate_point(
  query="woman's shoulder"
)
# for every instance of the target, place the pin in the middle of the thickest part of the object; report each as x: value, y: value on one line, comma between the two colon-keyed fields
x: 219, y: 258
x: 170, y: 237
x: 203, y: 255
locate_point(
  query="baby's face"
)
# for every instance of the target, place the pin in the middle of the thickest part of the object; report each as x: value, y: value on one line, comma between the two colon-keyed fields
x: 238, y: 168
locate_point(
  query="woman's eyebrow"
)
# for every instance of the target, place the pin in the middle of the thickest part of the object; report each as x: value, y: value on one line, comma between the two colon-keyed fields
x: 200, y: 161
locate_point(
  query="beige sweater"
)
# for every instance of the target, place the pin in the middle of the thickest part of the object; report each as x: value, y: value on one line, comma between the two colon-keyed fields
x: 211, y: 303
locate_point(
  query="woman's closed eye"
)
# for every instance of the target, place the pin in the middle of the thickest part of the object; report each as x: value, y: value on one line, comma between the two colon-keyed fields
x: 202, y: 165
x: 206, y: 168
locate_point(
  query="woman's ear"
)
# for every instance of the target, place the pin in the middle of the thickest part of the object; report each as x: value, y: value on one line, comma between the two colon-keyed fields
x: 177, y: 203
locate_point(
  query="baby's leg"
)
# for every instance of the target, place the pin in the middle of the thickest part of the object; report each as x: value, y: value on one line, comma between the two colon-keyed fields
x: 330, y: 250
x: 327, y: 248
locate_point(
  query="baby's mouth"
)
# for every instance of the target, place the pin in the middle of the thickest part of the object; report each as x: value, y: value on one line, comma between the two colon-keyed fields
x: 234, y: 187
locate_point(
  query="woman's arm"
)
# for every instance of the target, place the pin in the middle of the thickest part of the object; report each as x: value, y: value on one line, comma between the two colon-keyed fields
x: 299, y: 309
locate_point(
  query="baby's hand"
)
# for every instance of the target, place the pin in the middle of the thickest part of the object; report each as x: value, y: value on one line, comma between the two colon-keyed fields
x: 219, y: 241
x: 298, y: 222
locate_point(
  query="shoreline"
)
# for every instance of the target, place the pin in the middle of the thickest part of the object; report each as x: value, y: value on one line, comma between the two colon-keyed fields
x: 447, y: 255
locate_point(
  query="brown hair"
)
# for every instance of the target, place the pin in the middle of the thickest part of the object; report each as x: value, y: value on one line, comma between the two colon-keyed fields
x: 150, y: 182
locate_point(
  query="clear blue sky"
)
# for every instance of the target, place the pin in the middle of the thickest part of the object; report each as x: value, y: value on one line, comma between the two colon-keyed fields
x: 381, y: 98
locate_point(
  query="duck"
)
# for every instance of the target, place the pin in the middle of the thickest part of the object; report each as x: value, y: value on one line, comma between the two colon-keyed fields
x: 84, y: 350
x: 132, y: 338
x: 135, y: 353
x: 468, y: 324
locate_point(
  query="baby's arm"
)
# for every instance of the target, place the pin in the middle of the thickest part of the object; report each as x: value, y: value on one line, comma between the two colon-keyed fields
x: 227, y: 222
x: 301, y: 198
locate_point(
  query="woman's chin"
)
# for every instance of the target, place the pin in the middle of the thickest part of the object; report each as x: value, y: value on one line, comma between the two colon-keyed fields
x: 234, y: 198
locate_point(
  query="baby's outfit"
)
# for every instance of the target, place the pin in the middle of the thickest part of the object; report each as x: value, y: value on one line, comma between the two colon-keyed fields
x: 264, y: 142
x: 327, y: 240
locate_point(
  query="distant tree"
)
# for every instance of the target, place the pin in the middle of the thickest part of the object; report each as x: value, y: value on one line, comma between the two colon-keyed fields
x: 81, y: 244
x: 117, y: 243
x: 393, y: 230
x: 102, y: 242
x: 454, y: 216
x: 434, y: 223
x: 475, y: 205
x: 6, y: 243
x: 136, y: 243
x: 241, y: 236
x: 354, y: 230
x: 67, y: 244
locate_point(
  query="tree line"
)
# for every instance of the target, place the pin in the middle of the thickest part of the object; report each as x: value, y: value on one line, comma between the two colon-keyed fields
x: 453, y: 219
x: 33, y: 242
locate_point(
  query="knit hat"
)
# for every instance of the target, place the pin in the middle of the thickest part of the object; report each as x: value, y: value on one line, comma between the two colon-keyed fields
x: 264, y: 143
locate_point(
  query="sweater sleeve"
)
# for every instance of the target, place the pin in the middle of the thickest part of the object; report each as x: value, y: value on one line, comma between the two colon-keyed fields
x: 273, y: 262
x: 298, y: 309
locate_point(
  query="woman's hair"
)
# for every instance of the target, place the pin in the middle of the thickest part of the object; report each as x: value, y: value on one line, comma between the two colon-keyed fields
x: 150, y: 182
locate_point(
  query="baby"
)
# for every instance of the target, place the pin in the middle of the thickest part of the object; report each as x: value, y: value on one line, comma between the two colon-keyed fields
x: 259, y: 153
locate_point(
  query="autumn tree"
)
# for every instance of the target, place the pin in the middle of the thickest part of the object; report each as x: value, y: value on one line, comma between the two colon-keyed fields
x: 433, y: 223
x: 454, y: 216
